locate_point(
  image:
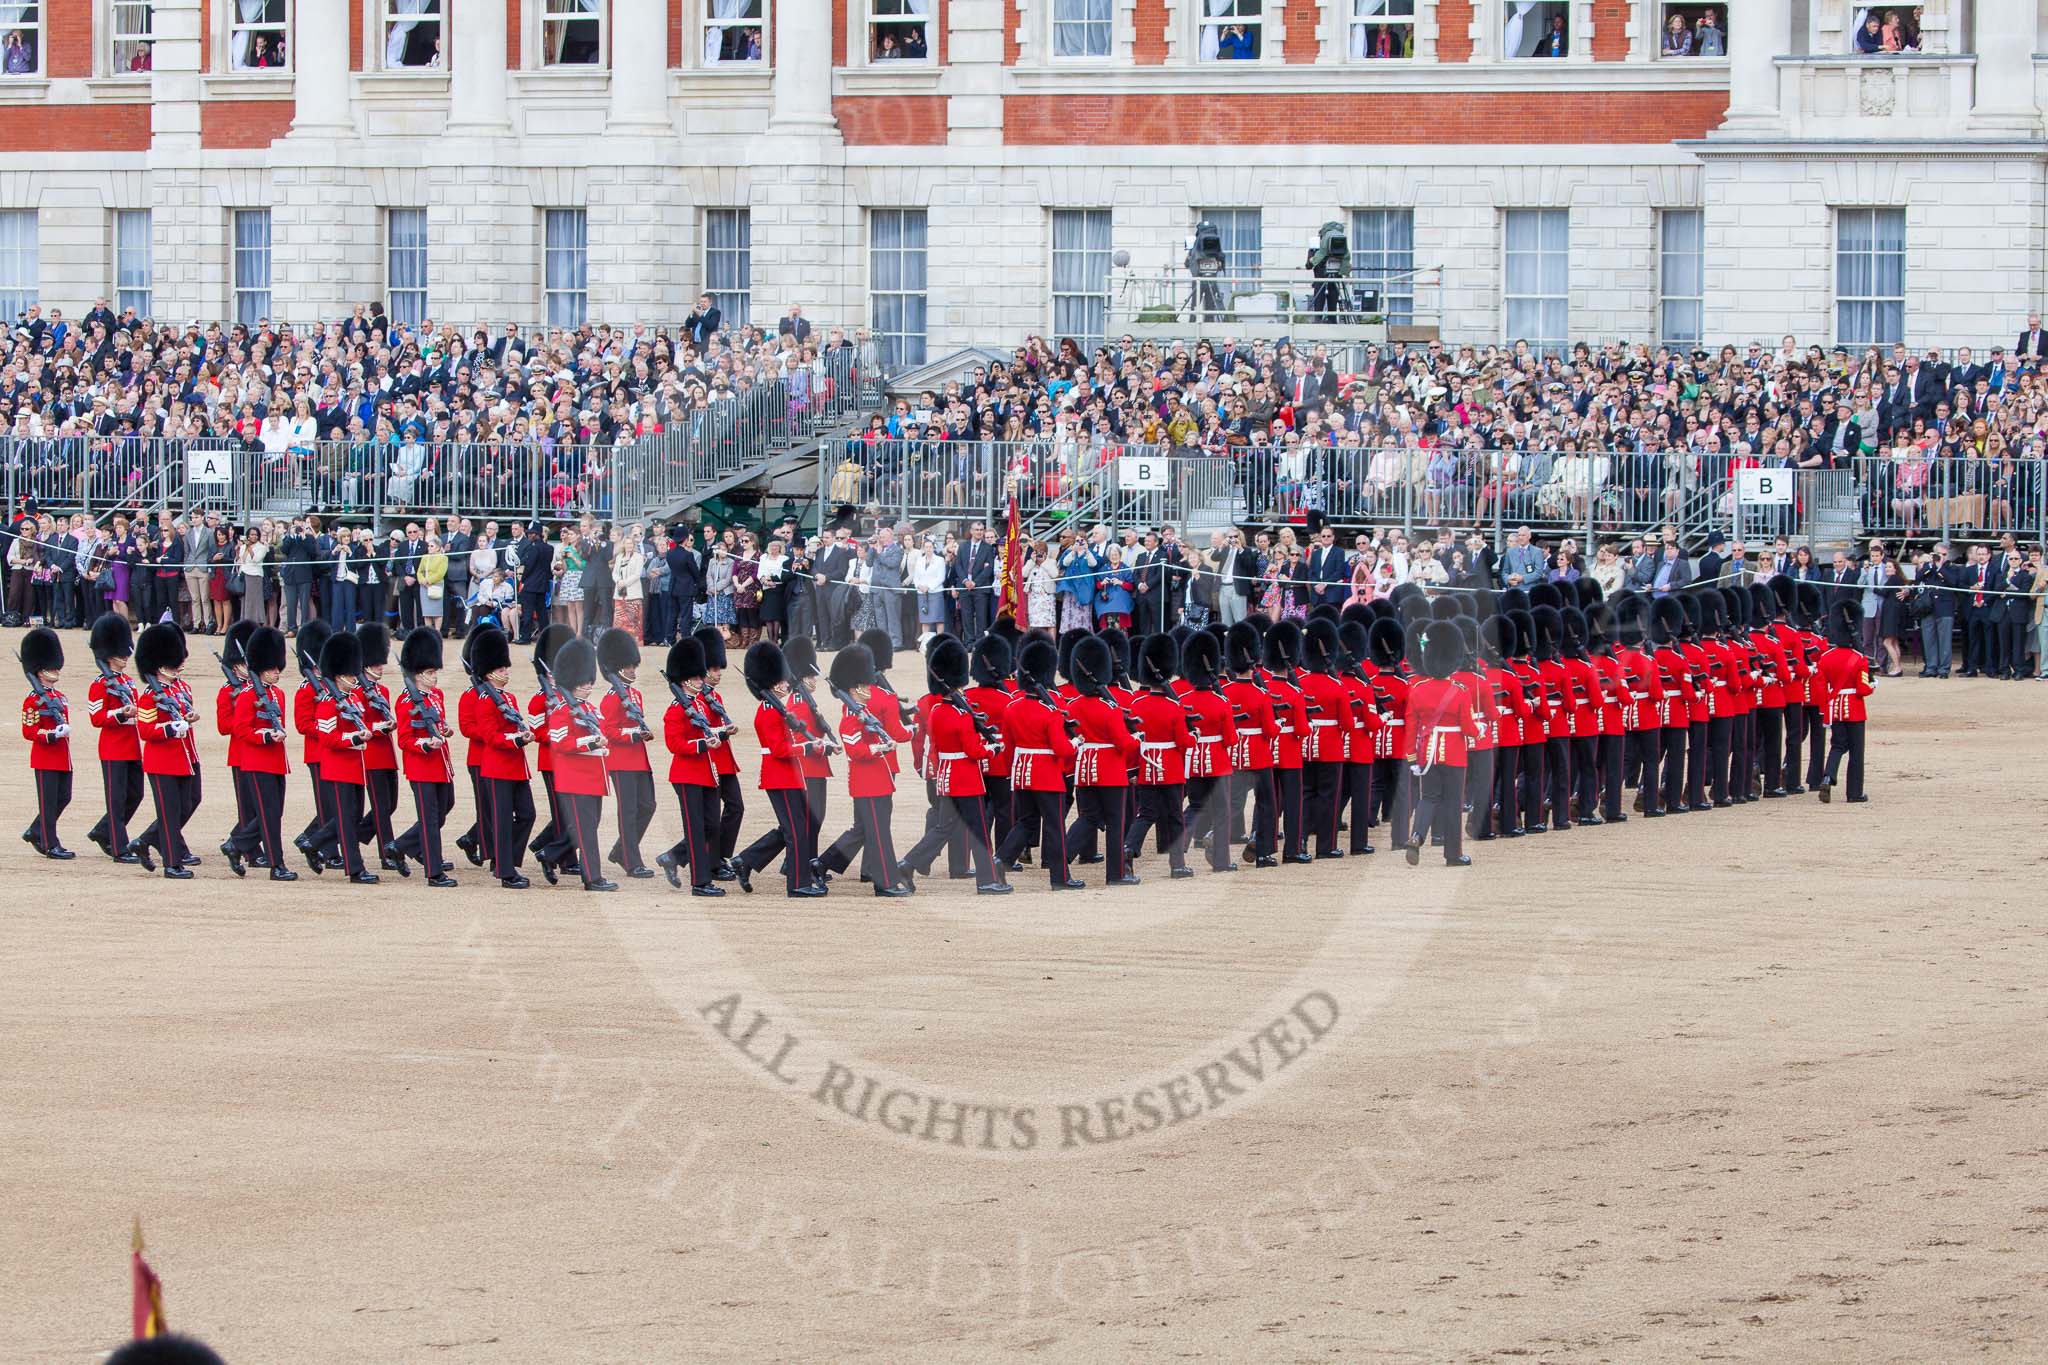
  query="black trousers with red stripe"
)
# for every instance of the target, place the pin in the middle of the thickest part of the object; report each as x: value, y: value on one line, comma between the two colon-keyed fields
x: 1479, y: 791
x: 1532, y: 784
x: 188, y: 793
x: 868, y: 836
x: 582, y: 818
x: 1104, y: 811
x: 1162, y: 813
x: 552, y: 841
x: 965, y: 815
x: 1507, y: 785
x: 1293, y: 813
x: 1770, y: 745
x: 380, y: 795
x: 480, y: 831
x: 1320, y: 782
x: 266, y: 799
x: 1439, y: 801
x: 244, y: 808
x: 122, y: 778
x: 1609, y: 750
x: 1358, y: 792
x: 1264, y: 829
x: 1035, y: 819
x: 697, y: 848
x: 53, y: 794
x: 431, y: 803
x: 634, y: 790
x: 1586, y: 773
x: 732, y: 811
x: 347, y: 810
x: 1208, y: 811
x: 509, y: 821
x: 792, y: 833
x: 173, y: 797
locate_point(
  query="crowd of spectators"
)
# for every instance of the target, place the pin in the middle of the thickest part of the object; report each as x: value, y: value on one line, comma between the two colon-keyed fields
x: 352, y: 415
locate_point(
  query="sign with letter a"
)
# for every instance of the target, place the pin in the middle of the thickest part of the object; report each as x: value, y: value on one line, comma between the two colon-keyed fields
x: 209, y: 466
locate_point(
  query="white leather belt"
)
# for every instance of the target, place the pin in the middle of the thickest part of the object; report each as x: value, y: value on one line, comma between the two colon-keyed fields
x: 952, y: 758
x: 1043, y: 753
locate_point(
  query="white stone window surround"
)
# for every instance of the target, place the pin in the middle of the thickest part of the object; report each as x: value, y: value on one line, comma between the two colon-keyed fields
x: 706, y: 21
x: 1489, y: 29
x: 1184, y: 23
x: 1034, y: 35
x: 1835, y: 23
x: 545, y: 18
x: 1646, y: 34
x: 236, y: 24
x: 118, y: 27
x: 423, y: 20
x: 31, y: 19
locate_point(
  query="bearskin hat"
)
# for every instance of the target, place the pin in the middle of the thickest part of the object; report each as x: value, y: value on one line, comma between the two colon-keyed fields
x: 1806, y: 612
x: 1625, y: 611
x: 1259, y: 621
x: 853, y: 667
x: 1283, y: 644
x: 990, y: 662
x: 1324, y: 611
x: 1545, y: 595
x: 1382, y: 610
x: 112, y: 638
x: 489, y: 650
x: 1412, y: 641
x: 764, y: 667
x: 1402, y: 595
x: 1845, y: 622
x: 1496, y: 637
x: 1468, y: 629
x: 799, y: 655
x: 313, y: 637
x: 342, y: 655
x: 1667, y: 620
x: 420, y: 650
x: 1219, y: 631
x: 1387, y: 642
x: 1320, y: 646
x: 617, y: 650
x: 1360, y: 612
x: 1784, y: 592
x: 1243, y: 650
x: 376, y: 643
x: 235, y: 648
x: 1513, y: 600
x: 1040, y: 662
x: 1690, y: 614
x: 1157, y: 662
x: 713, y: 644
x: 1444, y: 608
x: 159, y: 647
x: 266, y: 651
x: 1356, y: 638
x: 1443, y: 649
x: 1736, y: 599
x: 1091, y: 661
x: 1063, y: 650
x: 1412, y: 608
x: 1119, y: 651
x: 1524, y: 623
x: 947, y: 666
x: 1199, y: 658
x: 685, y: 660
x: 880, y: 649
x: 548, y: 644
x: 576, y: 665
x: 1005, y: 629
x: 42, y: 651
x: 1589, y: 591
x: 1573, y: 641
x: 1549, y: 622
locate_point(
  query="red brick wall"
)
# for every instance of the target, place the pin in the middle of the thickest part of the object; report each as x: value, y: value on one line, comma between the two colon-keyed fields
x: 355, y: 34
x: 68, y: 26
x: 891, y: 121
x: 1011, y: 21
x: 1454, y: 30
x: 1252, y: 120
x: 1148, y: 47
x: 242, y: 124
x: 206, y: 35
x: 514, y: 32
x: 1610, y: 29
x: 76, y: 128
x: 1302, y: 18
x: 838, y: 31
x: 675, y: 34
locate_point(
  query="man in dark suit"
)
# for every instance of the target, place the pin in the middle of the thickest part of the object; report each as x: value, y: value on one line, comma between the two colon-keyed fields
x: 509, y: 349
x: 1148, y: 604
x: 794, y: 325
x: 324, y: 547
x: 295, y: 574
x: 536, y: 564
x: 685, y: 580
x: 976, y: 567
x: 702, y: 324
x: 1916, y: 394
x: 1936, y: 577
x: 832, y: 564
x: 1714, y: 560
x: 1329, y: 569
x: 455, y: 589
x: 2016, y: 613
x: 1839, y: 583
x: 405, y: 575
x: 1980, y: 612
x: 2033, y: 343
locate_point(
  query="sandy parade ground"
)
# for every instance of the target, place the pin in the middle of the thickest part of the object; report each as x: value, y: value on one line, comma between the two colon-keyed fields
x: 1764, y: 1084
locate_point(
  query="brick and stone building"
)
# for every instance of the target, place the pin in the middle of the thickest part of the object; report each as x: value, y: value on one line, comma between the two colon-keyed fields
x: 551, y: 159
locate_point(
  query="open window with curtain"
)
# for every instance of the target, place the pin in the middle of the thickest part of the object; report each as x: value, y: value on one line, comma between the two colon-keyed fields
x: 1082, y: 28
x: 735, y: 31
x: 1870, y: 276
x: 21, y: 38
x: 19, y: 263
x: 572, y: 32
x: 1382, y: 29
x: 258, y: 34
x: 132, y: 261
x: 412, y: 35
x: 900, y: 30
x: 1080, y: 275
x: 251, y: 265
x: 1232, y: 30
x: 1535, y: 28
x: 131, y: 37
x: 897, y: 240
x: 1536, y: 295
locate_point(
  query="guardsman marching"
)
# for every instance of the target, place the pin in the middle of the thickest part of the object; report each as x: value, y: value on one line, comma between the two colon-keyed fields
x: 1777, y: 676
x: 479, y: 840
x: 111, y: 703
x: 1214, y: 723
x: 785, y: 739
x: 1163, y: 743
x: 380, y: 755
x: 1390, y: 682
x: 1612, y: 684
x: 691, y: 736
x: 870, y: 745
x: 1674, y: 700
x: 1510, y: 709
x: 1103, y: 754
x: 164, y: 721
x: 344, y: 730
x: 1253, y: 756
x: 1039, y: 750
x: 959, y: 739
x: 311, y: 840
x: 1290, y: 746
x: 1370, y: 705
x: 503, y: 733
x: 46, y: 725
x: 626, y: 731
x: 259, y: 730
x: 732, y: 801
x: 235, y: 665
x: 989, y: 665
x: 1440, y: 725
x: 552, y: 844
x: 423, y: 734
x: 576, y: 734
x: 1582, y: 717
x: 1844, y: 672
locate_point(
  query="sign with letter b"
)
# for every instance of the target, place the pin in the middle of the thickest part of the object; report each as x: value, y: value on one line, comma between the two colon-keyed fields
x: 1141, y: 473
x: 1764, y: 487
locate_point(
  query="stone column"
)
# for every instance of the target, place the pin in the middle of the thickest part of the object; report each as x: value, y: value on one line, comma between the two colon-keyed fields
x: 477, y: 87
x: 2007, y: 33
x: 802, y: 54
x: 1762, y: 33
x: 174, y: 77
x: 639, y: 49
x: 320, y: 80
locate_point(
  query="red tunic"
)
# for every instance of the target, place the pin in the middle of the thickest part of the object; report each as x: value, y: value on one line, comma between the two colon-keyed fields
x: 1844, y: 676
x: 1215, y: 733
x: 1612, y: 685
x: 1536, y: 722
x: 1479, y: 694
x: 342, y: 741
x: 498, y: 750
x: 1441, y: 723
x: 1329, y: 717
x: 423, y: 764
x: 993, y: 703
x: 683, y: 732
x: 544, y: 756
x: 1675, y: 698
x: 224, y: 720
x: 1163, y: 740
x: 1700, y: 703
x: 1258, y: 732
x: 1511, y: 709
x: 1557, y: 711
x: 1582, y: 697
x: 815, y: 761
x: 1107, y: 747
x: 118, y: 738
x: 306, y: 720
x: 711, y: 706
x: 380, y: 754
x: 870, y: 762
x: 1642, y: 697
x: 957, y: 750
x: 260, y: 753
x: 1290, y: 715
x: 1361, y: 741
x: 164, y: 753
x: 576, y: 735
x: 781, y: 751
x: 48, y: 751
x: 1392, y: 739
x: 629, y: 750
x: 1037, y: 746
